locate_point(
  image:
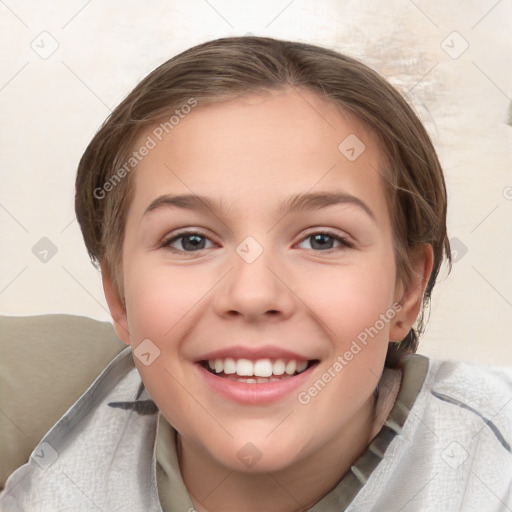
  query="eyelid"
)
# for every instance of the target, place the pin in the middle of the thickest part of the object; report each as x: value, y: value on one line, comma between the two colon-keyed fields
x: 328, y: 231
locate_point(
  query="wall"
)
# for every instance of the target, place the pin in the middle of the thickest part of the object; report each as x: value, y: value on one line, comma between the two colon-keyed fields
x: 66, y: 64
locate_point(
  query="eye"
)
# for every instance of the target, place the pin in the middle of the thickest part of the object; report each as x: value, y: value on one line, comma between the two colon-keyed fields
x: 191, y: 241
x: 323, y: 240
x: 194, y: 241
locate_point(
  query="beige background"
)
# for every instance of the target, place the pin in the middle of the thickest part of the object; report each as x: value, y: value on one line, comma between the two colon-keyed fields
x: 65, y: 64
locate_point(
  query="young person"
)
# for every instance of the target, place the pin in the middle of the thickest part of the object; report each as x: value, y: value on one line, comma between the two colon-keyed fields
x: 270, y: 219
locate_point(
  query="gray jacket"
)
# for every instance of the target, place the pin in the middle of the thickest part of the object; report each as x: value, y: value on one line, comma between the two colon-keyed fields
x: 444, y: 448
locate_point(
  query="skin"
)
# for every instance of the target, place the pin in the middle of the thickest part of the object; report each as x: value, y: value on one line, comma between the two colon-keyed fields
x: 252, y: 153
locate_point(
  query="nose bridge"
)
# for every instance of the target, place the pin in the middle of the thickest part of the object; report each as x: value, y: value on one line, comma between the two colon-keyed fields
x: 254, y: 287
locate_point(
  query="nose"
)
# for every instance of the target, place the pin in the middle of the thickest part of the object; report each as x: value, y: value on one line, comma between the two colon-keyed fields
x: 256, y: 290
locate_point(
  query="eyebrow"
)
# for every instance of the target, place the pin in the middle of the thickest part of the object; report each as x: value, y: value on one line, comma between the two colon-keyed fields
x: 292, y: 204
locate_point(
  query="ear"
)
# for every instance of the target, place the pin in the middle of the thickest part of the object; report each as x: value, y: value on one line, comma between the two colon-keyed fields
x: 411, y: 297
x: 115, y: 305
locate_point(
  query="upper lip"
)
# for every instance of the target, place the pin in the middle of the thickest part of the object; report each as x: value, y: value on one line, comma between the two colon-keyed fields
x: 253, y: 353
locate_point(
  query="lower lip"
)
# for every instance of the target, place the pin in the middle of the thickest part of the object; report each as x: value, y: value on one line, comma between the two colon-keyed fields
x: 254, y: 394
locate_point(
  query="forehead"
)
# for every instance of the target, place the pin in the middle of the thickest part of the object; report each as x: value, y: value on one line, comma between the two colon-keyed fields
x: 253, y: 151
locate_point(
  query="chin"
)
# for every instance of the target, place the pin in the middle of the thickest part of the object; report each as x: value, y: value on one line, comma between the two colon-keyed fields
x: 258, y: 456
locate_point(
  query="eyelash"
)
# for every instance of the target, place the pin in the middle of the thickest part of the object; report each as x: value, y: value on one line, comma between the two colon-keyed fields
x: 181, y: 234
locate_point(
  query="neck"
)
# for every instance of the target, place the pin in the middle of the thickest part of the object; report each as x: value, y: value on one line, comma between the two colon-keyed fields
x: 214, y: 487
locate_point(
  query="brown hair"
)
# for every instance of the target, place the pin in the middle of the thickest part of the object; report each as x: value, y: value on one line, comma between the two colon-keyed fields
x: 232, y: 67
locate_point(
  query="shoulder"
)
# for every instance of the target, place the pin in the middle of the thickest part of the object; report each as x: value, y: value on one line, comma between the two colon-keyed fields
x: 454, y: 450
x: 101, y: 446
x: 483, y: 390
x: 450, y: 370
x: 468, y: 410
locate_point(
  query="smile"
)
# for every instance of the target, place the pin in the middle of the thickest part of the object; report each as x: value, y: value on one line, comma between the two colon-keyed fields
x: 261, y: 371
x: 255, y: 382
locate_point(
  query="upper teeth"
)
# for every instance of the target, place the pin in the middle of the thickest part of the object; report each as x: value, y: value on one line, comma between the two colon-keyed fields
x: 258, y: 368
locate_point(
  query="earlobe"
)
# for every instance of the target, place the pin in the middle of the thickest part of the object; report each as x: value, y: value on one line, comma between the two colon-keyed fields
x: 115, y: 305
x: 411, y: 298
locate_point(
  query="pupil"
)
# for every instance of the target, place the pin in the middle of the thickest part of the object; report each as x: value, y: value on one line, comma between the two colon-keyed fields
x: 316, y: 239
x: 188, y: 238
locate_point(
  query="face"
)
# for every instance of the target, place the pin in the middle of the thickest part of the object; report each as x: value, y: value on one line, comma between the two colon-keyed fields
x: 292, y: 307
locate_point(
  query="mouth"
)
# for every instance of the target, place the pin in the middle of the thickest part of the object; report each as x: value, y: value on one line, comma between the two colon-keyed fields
x: 252, y: 376
x: 259, y: 371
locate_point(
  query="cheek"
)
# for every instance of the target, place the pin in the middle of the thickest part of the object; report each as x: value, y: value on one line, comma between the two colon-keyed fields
x: 157, y: 297
x: 158, y: 301
x: 350, y: 299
